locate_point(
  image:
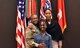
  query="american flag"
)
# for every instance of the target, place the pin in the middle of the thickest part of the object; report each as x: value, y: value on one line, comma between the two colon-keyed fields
x: 45, y: 4
x: 20, y: 25
x: 48, y: 4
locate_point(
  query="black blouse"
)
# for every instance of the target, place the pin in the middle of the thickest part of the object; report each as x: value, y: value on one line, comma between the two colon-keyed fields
x: 54, y: 30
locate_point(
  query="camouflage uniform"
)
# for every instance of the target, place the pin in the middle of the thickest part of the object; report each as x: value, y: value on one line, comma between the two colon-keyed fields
x: 30, y: 33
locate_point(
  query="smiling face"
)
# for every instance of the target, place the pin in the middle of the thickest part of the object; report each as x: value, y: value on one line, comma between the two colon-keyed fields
x: 48, y: 14
x: 34, y: 19
x: 43, y: 26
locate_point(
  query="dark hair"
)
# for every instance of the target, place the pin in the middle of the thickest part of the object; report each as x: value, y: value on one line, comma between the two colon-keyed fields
x: 47, y: 9
x: 42, y: 20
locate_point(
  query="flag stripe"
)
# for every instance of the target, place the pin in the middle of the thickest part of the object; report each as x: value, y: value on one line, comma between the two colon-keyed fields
x: 33, y: 6
x: 29, y: 9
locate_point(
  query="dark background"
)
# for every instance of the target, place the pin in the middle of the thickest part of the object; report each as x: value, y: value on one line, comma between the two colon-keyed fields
x: 8, y: 24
